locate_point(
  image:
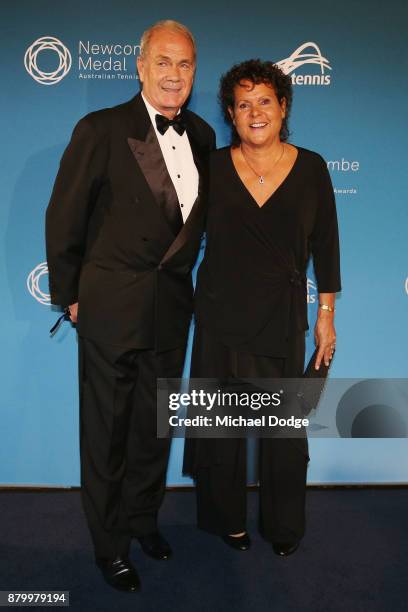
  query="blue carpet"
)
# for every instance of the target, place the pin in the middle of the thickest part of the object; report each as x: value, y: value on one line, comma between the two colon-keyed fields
x: 354, y: 557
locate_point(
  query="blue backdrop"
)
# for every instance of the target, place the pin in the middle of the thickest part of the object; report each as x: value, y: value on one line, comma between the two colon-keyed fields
x: 348, y: 62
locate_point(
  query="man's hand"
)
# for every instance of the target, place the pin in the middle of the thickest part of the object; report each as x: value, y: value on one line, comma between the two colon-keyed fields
x: 73, y: 312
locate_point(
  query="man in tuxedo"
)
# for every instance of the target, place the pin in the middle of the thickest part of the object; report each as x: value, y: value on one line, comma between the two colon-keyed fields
x: 123, y: 230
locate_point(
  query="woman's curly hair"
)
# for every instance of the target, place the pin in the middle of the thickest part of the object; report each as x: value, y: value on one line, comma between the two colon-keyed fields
x: 256, y: 71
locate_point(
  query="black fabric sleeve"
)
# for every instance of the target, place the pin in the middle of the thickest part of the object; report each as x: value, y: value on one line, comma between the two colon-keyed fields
x: 76, y: 186
x: 325, y: 236
x: 212, y: 140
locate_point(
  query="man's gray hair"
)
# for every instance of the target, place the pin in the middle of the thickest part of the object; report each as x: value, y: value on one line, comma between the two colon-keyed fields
x: 165, y: 24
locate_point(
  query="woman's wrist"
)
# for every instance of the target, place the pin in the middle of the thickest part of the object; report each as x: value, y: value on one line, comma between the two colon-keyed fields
x: 326, y: 303
x: 325, y: 315
x: 326, y: 307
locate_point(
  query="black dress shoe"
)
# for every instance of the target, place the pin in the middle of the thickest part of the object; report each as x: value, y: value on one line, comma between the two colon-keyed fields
x: 155, y: 546
x: 120, y: 574
x: 242, y: 542
x: 283, y: 549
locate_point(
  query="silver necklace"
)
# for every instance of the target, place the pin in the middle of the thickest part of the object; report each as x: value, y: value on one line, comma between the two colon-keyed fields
x: 261, y: 177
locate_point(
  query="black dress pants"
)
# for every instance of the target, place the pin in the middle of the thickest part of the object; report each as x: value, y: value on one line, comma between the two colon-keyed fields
x: 219, y: 465
x: 123, y: 463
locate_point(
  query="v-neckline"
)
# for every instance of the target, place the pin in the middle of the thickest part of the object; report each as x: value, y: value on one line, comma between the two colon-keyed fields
x: 274, y: 192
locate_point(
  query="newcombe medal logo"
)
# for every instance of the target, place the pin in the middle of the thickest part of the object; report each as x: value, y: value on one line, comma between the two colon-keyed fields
x: 61, y: 53
x: 306, y: 55
x: 48, y: 60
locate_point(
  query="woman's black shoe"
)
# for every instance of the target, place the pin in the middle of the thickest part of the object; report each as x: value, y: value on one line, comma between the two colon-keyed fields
x: 239, y: 543
x: 283, y: 549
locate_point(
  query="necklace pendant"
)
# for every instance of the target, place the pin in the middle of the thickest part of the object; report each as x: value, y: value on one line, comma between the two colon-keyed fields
x: 261, y: 180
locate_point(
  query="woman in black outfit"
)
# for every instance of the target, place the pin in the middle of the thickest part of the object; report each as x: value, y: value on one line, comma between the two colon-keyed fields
x: 271, y: 206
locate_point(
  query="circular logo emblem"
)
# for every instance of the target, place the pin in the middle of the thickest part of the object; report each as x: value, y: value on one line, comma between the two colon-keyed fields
x: 42, y: 44
x: 33, y: 284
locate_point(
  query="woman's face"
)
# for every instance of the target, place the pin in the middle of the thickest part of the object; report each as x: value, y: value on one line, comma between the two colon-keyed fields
x: 257, y: 113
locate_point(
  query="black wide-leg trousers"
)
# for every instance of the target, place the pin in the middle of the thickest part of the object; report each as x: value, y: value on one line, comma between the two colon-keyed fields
x: 123, y: 463
x: 219, y: 465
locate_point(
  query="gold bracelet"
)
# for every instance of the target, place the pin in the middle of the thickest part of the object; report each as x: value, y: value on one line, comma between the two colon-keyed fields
x: 327, y: 307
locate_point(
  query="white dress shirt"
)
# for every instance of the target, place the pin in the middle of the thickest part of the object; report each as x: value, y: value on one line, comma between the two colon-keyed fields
x: 179, y: 160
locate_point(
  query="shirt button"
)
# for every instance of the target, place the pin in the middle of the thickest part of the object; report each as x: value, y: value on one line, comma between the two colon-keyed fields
x: 173, y: 147
x: 181, y: 205
x: 178, y: 176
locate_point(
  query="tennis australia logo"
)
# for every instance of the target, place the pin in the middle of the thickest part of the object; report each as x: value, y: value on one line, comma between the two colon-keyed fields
x: 33, y: 284
x: 47, y: 43
x: 311, y: 291
x: 300, y: 58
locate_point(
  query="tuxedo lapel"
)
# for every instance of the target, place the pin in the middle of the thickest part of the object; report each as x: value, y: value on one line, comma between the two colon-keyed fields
x: 197, y: 154
x: 150, y: 159
x: 188, y: 230
x: 143, y: 143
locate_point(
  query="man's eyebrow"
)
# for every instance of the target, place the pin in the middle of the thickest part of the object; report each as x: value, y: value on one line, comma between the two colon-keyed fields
x: 166, y: 57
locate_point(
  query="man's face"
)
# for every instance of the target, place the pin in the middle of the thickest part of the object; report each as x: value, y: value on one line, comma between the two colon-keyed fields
x: 167, y: 71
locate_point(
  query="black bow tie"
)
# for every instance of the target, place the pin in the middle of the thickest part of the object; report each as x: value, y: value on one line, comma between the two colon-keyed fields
x: 178, y: 124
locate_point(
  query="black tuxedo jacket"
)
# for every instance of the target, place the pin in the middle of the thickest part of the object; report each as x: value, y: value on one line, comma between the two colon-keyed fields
x: 110, y: 246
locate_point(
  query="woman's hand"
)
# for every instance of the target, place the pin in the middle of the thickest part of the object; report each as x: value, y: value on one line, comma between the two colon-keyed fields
x: 324, y: 333
x: 325, y: 338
